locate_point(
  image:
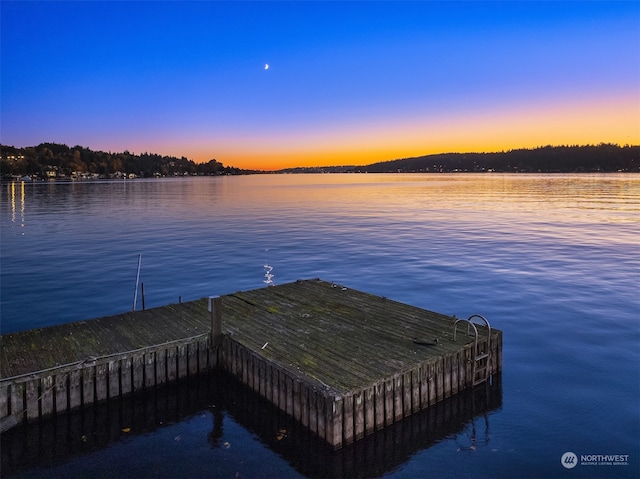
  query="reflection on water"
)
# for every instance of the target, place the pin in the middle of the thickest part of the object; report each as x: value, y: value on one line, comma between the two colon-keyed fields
x: 551, y: 260
x: 204, y: 236
x: 21, y: 200
x: 212, y: 404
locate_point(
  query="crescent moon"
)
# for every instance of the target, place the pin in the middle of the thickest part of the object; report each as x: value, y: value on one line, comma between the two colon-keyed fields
x: 266, y: 66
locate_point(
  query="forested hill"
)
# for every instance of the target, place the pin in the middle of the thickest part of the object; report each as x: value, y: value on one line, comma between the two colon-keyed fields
x: 548, y: 159
x: 52, y: 160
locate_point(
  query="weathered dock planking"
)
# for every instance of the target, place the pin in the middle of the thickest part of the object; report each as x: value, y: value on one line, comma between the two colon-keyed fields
x: 341, y: 362
x: 56, y: 369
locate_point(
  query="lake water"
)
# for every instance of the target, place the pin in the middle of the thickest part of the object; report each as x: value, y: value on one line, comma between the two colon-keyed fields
x: 552, y: 260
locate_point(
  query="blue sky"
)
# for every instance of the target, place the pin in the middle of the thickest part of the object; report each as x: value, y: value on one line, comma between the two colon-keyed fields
x: 348, y: 82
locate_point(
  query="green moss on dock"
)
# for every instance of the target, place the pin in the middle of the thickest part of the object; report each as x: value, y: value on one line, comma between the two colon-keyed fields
x: 340, y: 336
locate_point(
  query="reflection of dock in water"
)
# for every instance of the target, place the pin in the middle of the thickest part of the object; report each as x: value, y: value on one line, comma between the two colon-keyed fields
x: 65, y: 437
x: 464, y: 415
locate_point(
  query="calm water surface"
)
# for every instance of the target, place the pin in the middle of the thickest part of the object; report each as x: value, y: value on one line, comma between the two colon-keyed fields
x: 552, y: 260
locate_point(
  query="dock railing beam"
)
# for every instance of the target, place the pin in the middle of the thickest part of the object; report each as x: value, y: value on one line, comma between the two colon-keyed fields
x: 215, y: 308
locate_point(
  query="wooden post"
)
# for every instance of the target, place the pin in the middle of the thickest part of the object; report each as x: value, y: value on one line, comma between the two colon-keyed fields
x: 46, y: 394
x: 4, y: 399
x: 289, y: 385
x: 415, y: 390
x: 304, y: 403
x: 33, y: 409
x: 268, y: 383
x: 114, y: 378
x: 348, y: 432
x: 137, y: 360
x: 182, y: 361
x: 439, y: 379
x: 203, y: 363
x: 262, y: 372
x: 61, y: 392
x: 17, y: 400
x: 359, y: 414
x: 424, y: 386
x: 320, y: 403
x: 446, y: 376
x: 192, y: 352
x: 75, y: 388
x: 125, y: 375
x: 379, y: 388
x: 102, y: 381
x: 297, y: 400
x: 469, y: 364
x: 397, y: 397
x: 161, y: 366
x: 149, y: 369
x: 171, y: 364
x: 407, y: 387
x: 282, y: 391
x: 88, y: 383
x: 313, y: 411
x: 215, y: 308
x: 334, y: 427
x: 369, y: 411
x: 454, y: 372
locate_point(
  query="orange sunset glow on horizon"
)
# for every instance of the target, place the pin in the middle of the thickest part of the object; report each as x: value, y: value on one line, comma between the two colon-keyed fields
x: 572, y: 123
x: 294, y: 84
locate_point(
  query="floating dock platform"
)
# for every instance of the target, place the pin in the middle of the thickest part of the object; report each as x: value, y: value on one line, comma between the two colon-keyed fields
x: 341, y: 362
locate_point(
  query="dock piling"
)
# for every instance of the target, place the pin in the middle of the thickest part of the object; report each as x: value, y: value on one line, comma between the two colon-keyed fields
x: 215, y: 308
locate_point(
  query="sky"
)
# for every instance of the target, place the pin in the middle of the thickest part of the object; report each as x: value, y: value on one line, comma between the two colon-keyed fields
x: 348, y: 83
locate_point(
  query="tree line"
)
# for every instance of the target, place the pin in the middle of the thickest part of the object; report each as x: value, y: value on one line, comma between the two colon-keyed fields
x: 53, y: 160
x: 604, y: 157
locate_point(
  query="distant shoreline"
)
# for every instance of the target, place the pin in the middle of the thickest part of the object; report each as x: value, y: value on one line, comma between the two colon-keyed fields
x: 61, y: 162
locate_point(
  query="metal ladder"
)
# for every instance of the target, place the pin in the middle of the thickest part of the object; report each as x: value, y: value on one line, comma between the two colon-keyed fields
x: 481, y: 360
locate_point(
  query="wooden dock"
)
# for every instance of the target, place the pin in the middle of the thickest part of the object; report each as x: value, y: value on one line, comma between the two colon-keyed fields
x: 341, y: 362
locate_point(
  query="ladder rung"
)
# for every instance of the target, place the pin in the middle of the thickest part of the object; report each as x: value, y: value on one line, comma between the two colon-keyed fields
x: 482, y: 356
